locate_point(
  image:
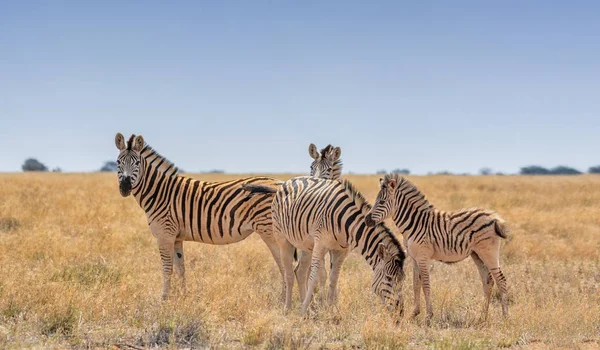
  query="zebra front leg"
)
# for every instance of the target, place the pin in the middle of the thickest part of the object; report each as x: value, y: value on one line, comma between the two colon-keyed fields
x: 337, y: 259
x: 166, y: 248
x: 180, y: 264
x: 317, y: 260
x: 424, y: 274
x: 486, y: 280
x: 302, y: 272
x: 416, y: 289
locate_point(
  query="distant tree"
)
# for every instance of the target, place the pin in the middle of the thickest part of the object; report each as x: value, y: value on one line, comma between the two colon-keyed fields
x: 110, y: 166
x: 381, y: 172
x: 32, y: 164
x: 444, y: 172
x: 564, y: 170
x: 216, y: 171
x: 594, y: 170
x: 57, y: 170
x: 401, y: 171
x: 534, y: 170
x: 485, y: 171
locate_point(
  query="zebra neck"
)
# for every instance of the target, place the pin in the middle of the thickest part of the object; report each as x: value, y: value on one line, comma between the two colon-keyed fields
x: 368, y: 239
x: 157, y: 179
x: 337, y: 170
x: 413, y: 211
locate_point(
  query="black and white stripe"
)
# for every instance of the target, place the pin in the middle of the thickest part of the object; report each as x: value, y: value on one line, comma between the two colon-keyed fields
x: 316, y: 216
x: 180, y: 208
x: 430, y: 234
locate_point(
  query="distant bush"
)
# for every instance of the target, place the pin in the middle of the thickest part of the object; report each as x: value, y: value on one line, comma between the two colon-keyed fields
x: 564, y: 170
x: 539, y: 170
x: 216, y: 171
x: 33, y: 164
x: 485, y: 171
x: 401, y: 171
x: 109, y: 166
x: 381, y: 172
x: 594, y: 170
x: 534, y: 170
x: 57, y: 170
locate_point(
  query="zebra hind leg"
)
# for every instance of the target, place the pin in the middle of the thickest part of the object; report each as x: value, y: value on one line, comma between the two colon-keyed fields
x: 490, y: 258
x: 274, y: 248
x: 416, y: 289
x: 287, y: 260
x: 301, y: 272
x: 317, y: 260
x: 487, y: 281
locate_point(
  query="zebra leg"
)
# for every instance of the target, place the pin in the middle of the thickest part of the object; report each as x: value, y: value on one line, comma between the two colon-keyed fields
x: 317, y: 260
x: 491, y: 260
x: 337, y: 259
x: 301, y: 272
x: 180, y: 264
x: 274, y: 248
x: 322, y: 286
x: 166, y: 248
x: 416, y: 289
x: 424, y: 273
x: 287, y: 260
x: 486, y: 280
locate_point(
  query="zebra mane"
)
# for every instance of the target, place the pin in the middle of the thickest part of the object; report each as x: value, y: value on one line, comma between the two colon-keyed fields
x: 154, y: 159
x: 360, y: 200
x: 406, y: 186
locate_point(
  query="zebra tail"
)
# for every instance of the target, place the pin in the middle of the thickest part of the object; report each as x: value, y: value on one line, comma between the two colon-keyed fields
x: 258, y: 189
x: 501, y: 229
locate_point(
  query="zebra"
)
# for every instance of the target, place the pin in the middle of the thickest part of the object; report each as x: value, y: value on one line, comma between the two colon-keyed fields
x: 179, y: 208
x: 327, y: 163
x: 319, y: 215
x: 430, y: 234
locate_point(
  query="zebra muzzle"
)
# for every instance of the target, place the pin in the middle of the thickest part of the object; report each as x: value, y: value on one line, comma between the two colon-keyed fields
x: 125, y: 186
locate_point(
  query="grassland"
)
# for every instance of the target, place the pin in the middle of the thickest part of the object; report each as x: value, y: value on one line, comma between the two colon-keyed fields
x: 79, y: 268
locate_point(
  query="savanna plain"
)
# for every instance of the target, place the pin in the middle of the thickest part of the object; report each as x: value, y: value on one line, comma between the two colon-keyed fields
x: 80, y: 268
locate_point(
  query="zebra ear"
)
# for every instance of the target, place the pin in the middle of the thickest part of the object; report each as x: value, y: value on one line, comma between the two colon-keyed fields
x: 381, y: 251
x: 120, y: 141
x: 334, y: 154
x: 138, y: 143
x: 392, y: 184
x: 312, y: 150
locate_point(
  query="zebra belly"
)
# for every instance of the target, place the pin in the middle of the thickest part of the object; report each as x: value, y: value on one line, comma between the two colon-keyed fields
x: 450, y: 257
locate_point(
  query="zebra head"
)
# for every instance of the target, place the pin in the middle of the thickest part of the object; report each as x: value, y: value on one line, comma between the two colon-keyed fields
x: 326, y: 162
x: 128, y: 162
x: 384, y: 203
x: 388, y: 277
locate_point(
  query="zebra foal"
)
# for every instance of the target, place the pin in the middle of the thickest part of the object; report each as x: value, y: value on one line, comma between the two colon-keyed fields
x: 430, y: 234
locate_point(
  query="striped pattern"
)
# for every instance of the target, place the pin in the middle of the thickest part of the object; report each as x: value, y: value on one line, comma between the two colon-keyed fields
x: 317, y: 216
x: 444, y: 236
x: 327, y: 163
x: 180, y: 208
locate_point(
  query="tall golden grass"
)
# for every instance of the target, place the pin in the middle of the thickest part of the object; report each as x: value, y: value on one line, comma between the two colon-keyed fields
x: 79, y: 268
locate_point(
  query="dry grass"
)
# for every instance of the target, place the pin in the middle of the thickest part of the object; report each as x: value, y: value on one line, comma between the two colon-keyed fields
x: 79, y: 268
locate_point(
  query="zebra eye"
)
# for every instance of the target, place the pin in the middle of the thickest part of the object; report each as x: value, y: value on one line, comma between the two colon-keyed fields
x: 382, y: 201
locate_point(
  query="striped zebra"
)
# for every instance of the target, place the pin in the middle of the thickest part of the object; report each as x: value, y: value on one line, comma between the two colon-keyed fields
x: 327, y: 163
x: 430, y: 234
x: 316, y: 216
x: 181, y: 209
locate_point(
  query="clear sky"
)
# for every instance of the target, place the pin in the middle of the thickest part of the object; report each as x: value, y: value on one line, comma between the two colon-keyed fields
x: 245, y: 86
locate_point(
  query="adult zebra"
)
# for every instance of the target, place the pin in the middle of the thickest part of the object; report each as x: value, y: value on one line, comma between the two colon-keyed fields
x: 430, y: 234
x: 316, y: 216
x: 181, y: 209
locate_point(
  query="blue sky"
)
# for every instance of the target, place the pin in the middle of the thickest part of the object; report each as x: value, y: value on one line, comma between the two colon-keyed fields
x: 245, y: 86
